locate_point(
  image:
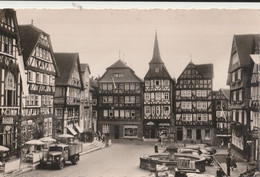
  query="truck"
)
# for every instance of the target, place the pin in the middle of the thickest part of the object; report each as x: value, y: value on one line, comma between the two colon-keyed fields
x: 59, y: 154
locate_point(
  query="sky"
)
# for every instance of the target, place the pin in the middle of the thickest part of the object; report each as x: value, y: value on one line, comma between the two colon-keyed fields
x: 101, y: 37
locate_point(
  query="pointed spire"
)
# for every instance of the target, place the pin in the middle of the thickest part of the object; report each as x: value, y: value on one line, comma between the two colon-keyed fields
x: 156, y: 52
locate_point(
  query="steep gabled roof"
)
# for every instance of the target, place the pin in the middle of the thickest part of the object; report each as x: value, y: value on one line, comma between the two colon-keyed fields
x: 29, y: 37
x: 226, y: 92
x: 65, y: 63
x: 245, y: 45
x: 119, y: 67
x: 163, y: 73
x: 84, y: 66
x: 119, y: 64
x: 206, y: 70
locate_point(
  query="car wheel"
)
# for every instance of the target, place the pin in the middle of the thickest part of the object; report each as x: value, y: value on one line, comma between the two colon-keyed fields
x: 61, y: 165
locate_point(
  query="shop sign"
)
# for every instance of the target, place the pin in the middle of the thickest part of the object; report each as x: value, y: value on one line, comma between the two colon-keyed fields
x: 7, y: 120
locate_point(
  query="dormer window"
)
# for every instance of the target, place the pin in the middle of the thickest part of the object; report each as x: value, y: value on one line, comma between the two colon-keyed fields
x: 157, y: 70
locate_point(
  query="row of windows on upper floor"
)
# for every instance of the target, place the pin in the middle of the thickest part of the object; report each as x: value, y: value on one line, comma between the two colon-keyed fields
x: 35, y: 62
x: 152, y: 83
x: 255, y: 92
x: 42, y: 54
x: 198, y: 82
x: 203, y: 105
x: 237, y: 95
x: 239, y: 116
x: 123, y: 86
x: 40, y: 78
x: 70, y: 112
x: 198, y: 93
x: 236, y: 76
x: 8, y: 23
x: 159, y: 96
x: 72, y: 92
x: 121, y: 113
x: 194, y: 117
x: 35, y: 100
x: 8, y: 45
x: 157, y: 110
x: 121, y: 99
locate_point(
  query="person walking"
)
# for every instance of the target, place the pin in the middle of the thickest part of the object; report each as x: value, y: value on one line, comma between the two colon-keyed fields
x: 228, y: 162
x: 233, y: 162
x: 156, y: 148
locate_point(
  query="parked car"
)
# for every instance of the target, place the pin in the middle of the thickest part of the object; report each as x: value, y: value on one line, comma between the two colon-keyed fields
x: 212, y: 150
x: 202, y: 153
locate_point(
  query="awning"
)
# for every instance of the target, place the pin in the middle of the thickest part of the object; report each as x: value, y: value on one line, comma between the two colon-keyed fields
x: 72, y: 131
x: 79, y: 129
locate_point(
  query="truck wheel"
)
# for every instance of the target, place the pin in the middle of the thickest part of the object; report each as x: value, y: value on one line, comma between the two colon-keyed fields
x: 75, y: 160
x: 61, y: 165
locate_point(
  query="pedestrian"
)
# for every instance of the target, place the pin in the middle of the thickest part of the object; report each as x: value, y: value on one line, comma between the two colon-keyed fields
x: 228, y: 162
x: 233, y: 162
x: 222, y: 142
x: 156, y: 148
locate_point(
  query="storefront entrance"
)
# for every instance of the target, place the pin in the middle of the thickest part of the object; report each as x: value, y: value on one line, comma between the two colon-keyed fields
x: 116, y: 130
x: 179, y: 134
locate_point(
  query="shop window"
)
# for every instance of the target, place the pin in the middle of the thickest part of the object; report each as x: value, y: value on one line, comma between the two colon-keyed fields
x: 133, y: 113
x: 130, y: 131
x: 122, y: 113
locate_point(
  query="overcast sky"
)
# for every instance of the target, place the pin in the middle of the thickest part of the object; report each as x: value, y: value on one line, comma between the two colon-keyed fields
x: 99, y: 35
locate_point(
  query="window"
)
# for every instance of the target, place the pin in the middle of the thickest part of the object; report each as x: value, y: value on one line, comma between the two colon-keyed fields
x: 110, y: 99
x: 188, y: 93
x: 127, y: 87
x: 158, y: 96
x: 233, y: 77
x: 183, y: 93
x: 147, y: 83
x: 189, y: 133
x: 152, y: 96
x: 166, y: 95
x: 105, y: 128
x: 30, y: 76
x: 58, y: 111
x: 166, y: 83
x: 207, y: 134
x: 157, y: 82
x: 198, y: 92
x: 240, y: 95
x: 127, y: 113
x: 239, y: 74
x: 130, y: 131
x: 204, y: 117
x: 240, y: 114
x: 127, y: 99
x: 105, y: 113
x: 132, y: 87
x: 116, y: 113
x: 122, y: 113
x: 105, y: 99
x: 157, y: 70
x: 147, y: 110
x: 132, y: 113
x: 234, y: 95
x: 202, y: 105
x: 199, y: 117
x: 166, y: 110
x: 38, y: 77
x: 132, y: 99
x: 45, y: 79
x: 111, y: 113
x: 147, y: 96
x: 157, y: 110
x: 104, y: 86
x: 204, y: 93
x: 109, y: 87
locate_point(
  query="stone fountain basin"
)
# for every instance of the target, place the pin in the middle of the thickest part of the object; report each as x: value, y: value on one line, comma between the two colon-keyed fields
x: 149, y: 162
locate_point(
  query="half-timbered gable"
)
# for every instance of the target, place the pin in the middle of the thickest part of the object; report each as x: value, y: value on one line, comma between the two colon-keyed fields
x: 193, y: 97
x: 120, y: 101
x: 158, y: 104
x: 222, y: 115
x: 41, y: 69
x: 239, y: 77
x: 68, y: 93
x: 11, y: 67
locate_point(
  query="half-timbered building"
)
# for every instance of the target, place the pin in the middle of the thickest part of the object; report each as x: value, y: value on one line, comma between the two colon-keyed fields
x: 94, y: 102
x: 10, y: 94
x: 68, y: 93
x: 120, y: 102
x: 239, y: 79
x: 41, y: 70
x: 85, y: 121
x: 255, y: 110
x: 222, y: 115
x: 194, y: 104
x: 158, y: 102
